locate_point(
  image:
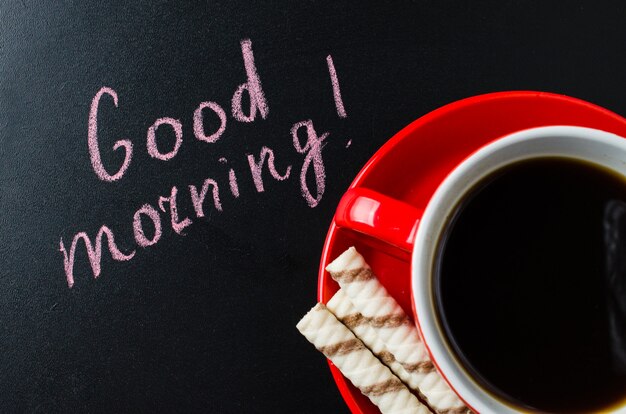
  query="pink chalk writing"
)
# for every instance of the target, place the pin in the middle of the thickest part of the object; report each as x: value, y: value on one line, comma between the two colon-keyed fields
x: 147, y: 219
x: 198, y: 199
x: 92, y: 140
x: 252, y: 86
x: 140, y: 236
x: 198, y: 122
x: 256, y: 168
x: 177, y: 225
x: 232, y: 181
x: 313, y: 151
x: 94, y: 253
x: 151, y: 144
x: 341, y: 111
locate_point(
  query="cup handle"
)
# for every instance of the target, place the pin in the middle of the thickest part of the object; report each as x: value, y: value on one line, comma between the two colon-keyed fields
x: 384, y: 218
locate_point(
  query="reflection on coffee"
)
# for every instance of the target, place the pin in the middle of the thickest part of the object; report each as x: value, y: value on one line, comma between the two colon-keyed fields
x: 530, y: 285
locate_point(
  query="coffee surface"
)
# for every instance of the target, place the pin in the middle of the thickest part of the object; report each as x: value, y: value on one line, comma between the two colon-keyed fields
x: 531, y: 285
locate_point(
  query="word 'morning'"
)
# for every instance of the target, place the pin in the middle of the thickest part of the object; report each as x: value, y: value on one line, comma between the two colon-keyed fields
x: 210, y: 189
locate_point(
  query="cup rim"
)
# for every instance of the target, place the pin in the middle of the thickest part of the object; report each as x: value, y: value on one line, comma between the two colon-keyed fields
x: 432, y: 223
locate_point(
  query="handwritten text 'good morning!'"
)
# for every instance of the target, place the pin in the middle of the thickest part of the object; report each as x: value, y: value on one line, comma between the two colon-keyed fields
x: 148, y: 220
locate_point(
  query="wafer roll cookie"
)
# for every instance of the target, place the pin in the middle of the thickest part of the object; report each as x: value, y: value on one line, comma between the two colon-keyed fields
x: 341, y: 306
x: 357, y: 363
x: 394, y: 328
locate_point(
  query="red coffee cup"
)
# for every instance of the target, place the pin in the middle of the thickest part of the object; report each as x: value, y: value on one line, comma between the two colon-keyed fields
x: 380, y: 212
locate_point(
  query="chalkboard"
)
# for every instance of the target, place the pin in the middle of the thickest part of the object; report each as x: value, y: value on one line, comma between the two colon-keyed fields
x: 168, y: 172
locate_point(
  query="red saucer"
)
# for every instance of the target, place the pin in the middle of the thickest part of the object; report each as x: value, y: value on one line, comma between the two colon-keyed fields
x: 410, y: 166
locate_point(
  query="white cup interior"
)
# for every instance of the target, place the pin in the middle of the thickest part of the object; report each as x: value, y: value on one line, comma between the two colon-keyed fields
x: 599, y: 147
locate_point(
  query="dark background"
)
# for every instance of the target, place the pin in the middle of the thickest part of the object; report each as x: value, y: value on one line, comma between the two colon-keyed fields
x: 206, y: 322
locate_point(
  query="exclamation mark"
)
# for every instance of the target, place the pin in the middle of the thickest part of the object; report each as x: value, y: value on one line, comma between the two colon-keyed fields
x: 341, y: 111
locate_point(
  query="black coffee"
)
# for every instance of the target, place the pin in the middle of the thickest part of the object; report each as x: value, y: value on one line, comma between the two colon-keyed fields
x: 531, y: 285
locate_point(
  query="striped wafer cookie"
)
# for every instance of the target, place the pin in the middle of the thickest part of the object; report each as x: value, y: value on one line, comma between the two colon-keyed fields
x: 341, y: 306
x: 395, y: 330
x: 357, y: 363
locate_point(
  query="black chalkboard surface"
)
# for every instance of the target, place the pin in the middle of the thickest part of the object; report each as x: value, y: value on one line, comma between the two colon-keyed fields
x: 247, y: 122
